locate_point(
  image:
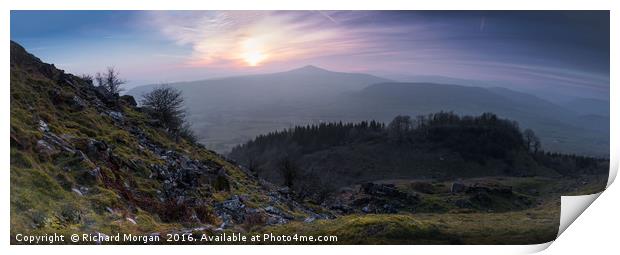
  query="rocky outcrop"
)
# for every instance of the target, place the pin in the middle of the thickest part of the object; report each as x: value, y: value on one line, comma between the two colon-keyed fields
x: 373, y: 198
x: 493, y: 197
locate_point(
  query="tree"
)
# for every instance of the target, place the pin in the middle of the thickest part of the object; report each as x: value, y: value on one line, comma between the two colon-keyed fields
x: 100, y: 80
x: 288, y: 171
x: 536, y: 144
x: 252, y: 161
x: 165, y: 104
x: 532, y: 141
x: 399, y: 127
x: 110, y: 81
x: 87, y: 78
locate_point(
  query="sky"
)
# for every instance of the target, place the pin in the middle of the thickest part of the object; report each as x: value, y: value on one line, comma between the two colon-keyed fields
x: 544, y: 50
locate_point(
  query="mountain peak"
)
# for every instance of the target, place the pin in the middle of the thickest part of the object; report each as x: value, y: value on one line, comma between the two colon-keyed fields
x: 309, y: 69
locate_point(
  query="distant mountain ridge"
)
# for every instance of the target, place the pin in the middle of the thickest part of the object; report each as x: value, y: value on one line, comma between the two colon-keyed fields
x: 230, y: 111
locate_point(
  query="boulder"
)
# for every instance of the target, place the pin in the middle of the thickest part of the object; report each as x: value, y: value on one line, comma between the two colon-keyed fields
x: 458, y: 187
x: 78, y: 103
x: 43, y: 127
x: 116, y: 116
x: 233, y: 204
x: 129, y: 100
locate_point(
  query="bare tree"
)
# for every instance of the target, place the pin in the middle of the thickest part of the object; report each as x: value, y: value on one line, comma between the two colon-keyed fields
x: 532, y: 141
x: 99, y: 80
x: 536, y: 144
x: 110, y: 80
x: 87, y: 78
x: 399, y: 127
x: 165, y: 104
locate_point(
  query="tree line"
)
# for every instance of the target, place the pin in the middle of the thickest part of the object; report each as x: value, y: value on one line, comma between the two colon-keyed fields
x: 475, y: 138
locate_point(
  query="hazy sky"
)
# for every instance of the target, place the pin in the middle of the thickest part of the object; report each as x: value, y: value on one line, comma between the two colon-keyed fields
x: 559, y: 49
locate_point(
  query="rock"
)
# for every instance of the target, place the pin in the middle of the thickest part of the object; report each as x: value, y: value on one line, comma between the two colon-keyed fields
x: 96, y: 172
x: 104, y: 95
x: 389, y: 208
x: 233, y: 204
x: 272, y: 210
x: 78, y: 103
x: 77, y: 191
x: 275, y: 220
x: 463, y: 203
x: 457, y: 187
x: 43, y: 126
x: 40, y: 219
x: 131, y: 220
x: 97, y: 149
x: 102, y: 235
x: 117, y: 116
x: 45, y: 149
x: 366, y: 209
x: 482, y: 199
x: 226, y: 221
x: 284, y: 191
x: 309, y: 219
x: 129, y: 100
x: 71, y: 214
x: 58, y: 142
x: 83, y: 156
x: 231, y: 211
x: 382, y: 190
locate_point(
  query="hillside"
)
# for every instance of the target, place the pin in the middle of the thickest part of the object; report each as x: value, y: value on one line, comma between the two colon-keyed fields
x: 86, y: 161
x: 560, y: 129
x: 588, y: 106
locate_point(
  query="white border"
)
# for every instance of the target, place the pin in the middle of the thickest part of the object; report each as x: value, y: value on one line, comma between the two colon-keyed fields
x: 287, y: 5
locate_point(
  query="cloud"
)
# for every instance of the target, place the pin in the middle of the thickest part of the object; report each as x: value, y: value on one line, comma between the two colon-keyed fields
x: 411, y: 43
x: 241, y: 38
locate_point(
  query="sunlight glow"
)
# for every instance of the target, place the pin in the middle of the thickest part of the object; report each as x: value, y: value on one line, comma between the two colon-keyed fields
x: 252, y: 51
x: 253, y: 58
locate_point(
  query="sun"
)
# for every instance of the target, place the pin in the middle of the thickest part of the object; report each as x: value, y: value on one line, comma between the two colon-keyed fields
x: 252, y: 51
x: 253, y: 58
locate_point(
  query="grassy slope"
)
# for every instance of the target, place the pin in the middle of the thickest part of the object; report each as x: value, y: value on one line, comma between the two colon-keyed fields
x: 42, y: 197
x: 535, y: 225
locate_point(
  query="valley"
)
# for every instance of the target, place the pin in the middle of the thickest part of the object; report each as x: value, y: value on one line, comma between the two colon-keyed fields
x: 230, y: 111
